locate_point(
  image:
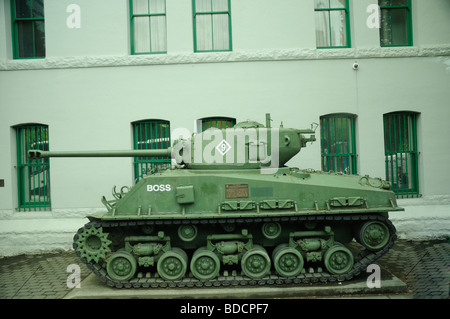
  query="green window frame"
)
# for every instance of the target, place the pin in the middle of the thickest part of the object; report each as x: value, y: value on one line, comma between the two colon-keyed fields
x: 148, y: 27
x: 395, y: 23
x: 218, y: 122
x: 332, y: 19
x: 33, y: 176
x: 28, y: 29
x: 212, y: 25
x: 401, y: 154
x: 150, y: 134
x: 338, y: 143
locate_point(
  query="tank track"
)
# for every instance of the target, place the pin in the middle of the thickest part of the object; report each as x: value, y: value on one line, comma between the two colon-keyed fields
x: 317, y: 275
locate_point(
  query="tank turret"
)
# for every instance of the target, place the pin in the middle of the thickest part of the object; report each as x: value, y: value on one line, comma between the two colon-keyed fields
x: 230, y: 212
x: 248, y: 144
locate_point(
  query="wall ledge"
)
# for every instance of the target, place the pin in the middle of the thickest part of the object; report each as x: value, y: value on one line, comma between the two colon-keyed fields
x: 222, y: 57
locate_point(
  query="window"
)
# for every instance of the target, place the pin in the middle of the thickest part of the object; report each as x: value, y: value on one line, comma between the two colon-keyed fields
x: 150, y: 134
x: 332, y: 23
x: 212, y: 25
x: 219, y: 122
x: 148, y: 26
x: 28, y: 30
x: 400, y: 150
x: 396, y: 24
x: 33, y: 176
x: 338, y: 147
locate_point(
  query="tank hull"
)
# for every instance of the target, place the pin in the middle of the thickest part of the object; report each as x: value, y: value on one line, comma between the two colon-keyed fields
x: 186, y: 228
x: 227, y: 193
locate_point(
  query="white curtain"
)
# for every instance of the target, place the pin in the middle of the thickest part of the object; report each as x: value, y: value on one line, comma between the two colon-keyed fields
x: 158, y: 34
x: 140, y: 6
x: 141, y: 34
x: 322, y: 29
x: 212, y: 25
x: 221, y: 35
x: 150, y: 34
x: 338, y: 28
x: 203, y: 6
x: 330, y: 24
x: 204, y: 32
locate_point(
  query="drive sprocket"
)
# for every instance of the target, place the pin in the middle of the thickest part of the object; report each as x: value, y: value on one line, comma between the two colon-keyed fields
x: 92, y: 243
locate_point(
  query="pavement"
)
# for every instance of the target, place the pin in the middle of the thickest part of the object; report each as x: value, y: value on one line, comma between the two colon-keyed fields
x: 410, y: 270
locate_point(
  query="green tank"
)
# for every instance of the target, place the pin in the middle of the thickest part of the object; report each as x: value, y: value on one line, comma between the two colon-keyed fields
x: 229, y: 212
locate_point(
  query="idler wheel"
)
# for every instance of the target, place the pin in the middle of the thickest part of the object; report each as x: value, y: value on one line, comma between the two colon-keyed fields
x: 338, y: 260
x: 373, y: 235
x: 121, y: 266
x: 172, y: 265
x: 205, y: 265
x: 256, y: 263
x: 288, y: 261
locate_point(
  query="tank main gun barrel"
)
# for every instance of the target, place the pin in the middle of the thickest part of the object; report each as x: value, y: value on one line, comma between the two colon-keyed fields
x: 38, y: 154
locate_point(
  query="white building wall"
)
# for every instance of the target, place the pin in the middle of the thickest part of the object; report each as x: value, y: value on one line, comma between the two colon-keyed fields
x: 89, y: 89
x: 104, y: 28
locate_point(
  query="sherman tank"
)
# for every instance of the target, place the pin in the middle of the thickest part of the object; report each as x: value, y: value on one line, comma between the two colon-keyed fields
x: 230, y: 212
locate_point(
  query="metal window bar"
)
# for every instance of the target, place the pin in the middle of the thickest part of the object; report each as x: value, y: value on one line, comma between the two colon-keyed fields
x: 151, y: 134
x: 218, y: 122
x: 338, y: 147
x: 33, y: 176
x: 401, y: 155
